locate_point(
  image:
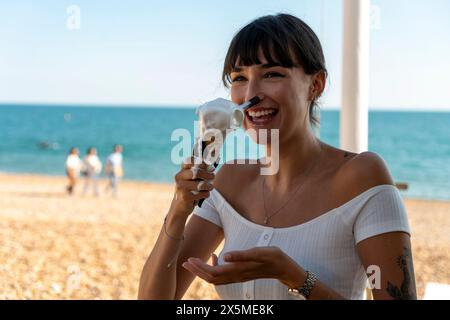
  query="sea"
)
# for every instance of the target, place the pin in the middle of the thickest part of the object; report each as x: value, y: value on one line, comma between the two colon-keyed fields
x: 36, y: 139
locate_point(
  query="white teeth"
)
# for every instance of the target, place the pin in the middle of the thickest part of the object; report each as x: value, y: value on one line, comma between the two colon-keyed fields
x: 261, y: 113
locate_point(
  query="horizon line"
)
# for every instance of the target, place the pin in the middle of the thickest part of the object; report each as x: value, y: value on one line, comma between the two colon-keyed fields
x: 190, y: 106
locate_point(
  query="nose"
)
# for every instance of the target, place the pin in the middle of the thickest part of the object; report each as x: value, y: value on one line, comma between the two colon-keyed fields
x: 253, y: 89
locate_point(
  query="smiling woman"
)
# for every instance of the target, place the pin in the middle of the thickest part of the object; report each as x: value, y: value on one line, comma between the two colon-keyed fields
x: 308, y: 231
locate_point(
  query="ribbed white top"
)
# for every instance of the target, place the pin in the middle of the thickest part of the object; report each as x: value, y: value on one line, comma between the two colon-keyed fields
x: 325, y: 245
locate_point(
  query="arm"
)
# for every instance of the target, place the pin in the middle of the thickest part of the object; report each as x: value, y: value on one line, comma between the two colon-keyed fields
x: 390, y: 252
x: 162, y: 276
x: 389, y: 256
x: 204, y: 237
x: 160, y: 282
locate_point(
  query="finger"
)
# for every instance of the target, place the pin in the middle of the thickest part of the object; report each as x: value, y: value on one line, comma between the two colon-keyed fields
x: 190, y: 174
x: 200, y: 173
x: 197, y: 267
x: 192, y: 269
x: 188, y: 196
x: 200, y: 195
x: 196, y: 271
x: 204, y: 267
x: 255, y: 254
x: 229, y: 273
x: 227, y: 270
x: 195, y: 185
x: 189, y: 162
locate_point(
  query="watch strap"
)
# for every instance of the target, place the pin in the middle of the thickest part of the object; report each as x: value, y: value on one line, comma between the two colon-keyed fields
x: 307, y: 287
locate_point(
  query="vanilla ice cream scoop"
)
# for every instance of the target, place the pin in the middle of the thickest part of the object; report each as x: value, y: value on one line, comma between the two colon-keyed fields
x: 216, y: 114
x: 222, y: 114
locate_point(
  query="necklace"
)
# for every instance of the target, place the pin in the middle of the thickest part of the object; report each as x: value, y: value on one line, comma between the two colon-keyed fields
x: 267, y: 218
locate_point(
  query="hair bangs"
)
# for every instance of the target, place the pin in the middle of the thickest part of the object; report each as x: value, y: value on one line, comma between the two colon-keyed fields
x: 249, y: 43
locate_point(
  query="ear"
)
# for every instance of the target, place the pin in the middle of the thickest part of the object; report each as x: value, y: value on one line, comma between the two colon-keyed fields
x: 318, y: 82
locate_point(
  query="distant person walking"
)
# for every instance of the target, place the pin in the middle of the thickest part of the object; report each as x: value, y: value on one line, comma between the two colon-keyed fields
x: 92, y: 166
x: 114, y: 168
x: 73, y: 167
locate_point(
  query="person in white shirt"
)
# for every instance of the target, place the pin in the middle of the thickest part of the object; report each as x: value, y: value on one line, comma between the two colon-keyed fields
x: 73, y: 167
x: 114, y: 168
x: 317, y: 228
x: 92, y: 166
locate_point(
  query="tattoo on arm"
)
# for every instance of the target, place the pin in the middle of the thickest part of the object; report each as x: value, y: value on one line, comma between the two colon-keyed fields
x: 407, y: 290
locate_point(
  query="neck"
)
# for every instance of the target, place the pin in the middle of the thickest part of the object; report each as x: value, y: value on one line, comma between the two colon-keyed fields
x: 296, y: 157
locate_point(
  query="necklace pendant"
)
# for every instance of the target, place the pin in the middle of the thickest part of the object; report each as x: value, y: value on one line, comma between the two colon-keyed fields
x: 266, y: 219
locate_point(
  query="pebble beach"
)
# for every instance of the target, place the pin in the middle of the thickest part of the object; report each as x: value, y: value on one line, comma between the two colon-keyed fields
x: 55, y: 246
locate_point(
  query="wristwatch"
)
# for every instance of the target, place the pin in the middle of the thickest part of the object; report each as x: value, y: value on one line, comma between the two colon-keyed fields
x: 304, y: 291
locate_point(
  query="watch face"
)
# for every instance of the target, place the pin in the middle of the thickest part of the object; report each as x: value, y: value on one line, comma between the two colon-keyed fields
x: 296, y: 295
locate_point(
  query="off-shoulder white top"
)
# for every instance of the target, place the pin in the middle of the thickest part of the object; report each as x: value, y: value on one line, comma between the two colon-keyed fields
x: 325, y: 245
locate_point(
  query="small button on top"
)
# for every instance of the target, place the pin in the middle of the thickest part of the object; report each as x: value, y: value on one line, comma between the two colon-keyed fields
x: 247, y: 295
x: 266, y: 236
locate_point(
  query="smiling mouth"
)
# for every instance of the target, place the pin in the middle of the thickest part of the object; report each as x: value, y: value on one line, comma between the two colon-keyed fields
x: 261, y: 116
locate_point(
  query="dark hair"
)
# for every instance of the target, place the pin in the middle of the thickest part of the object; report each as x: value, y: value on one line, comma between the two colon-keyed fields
x: 283, y: 39
x: 90, y: 149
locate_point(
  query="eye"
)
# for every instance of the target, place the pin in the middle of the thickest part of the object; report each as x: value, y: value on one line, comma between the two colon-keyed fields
x: 238, y: 79
x: 273, y: 74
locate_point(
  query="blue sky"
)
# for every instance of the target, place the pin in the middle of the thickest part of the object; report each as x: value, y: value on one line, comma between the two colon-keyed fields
x: 171, y: 52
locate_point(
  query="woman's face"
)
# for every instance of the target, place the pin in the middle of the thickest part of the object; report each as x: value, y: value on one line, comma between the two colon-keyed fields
x: 286, y: 102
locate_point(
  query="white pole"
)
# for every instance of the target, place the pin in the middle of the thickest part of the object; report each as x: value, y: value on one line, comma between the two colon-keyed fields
x: 355, y: 76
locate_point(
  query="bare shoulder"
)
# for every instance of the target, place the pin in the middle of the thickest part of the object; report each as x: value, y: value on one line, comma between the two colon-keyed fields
x: 363, y: 172
x: 370, y: 168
